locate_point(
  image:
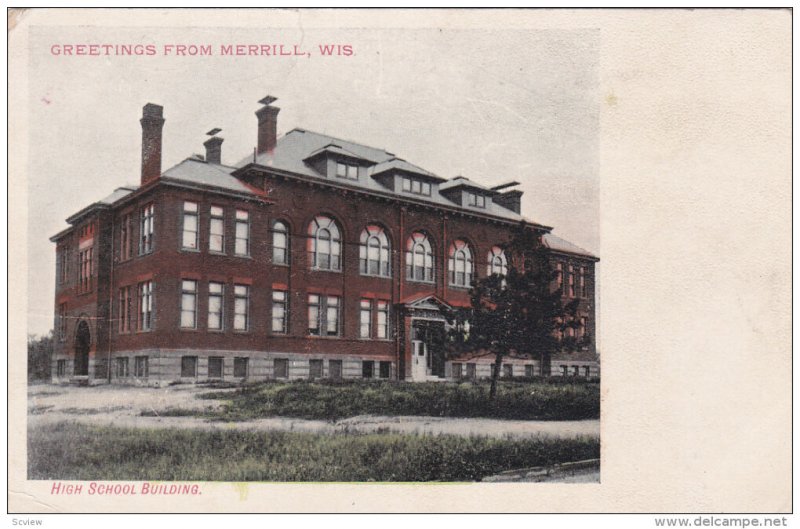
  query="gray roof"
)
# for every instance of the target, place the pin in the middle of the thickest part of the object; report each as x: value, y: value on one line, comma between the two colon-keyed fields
x: 399, y: 163
x: 560, y: 245
x: 462, y: 181
x: 298, y: 144
x: 195, y: 171
x: 120, y: 192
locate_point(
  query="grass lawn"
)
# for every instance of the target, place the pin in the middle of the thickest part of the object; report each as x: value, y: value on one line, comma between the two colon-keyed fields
x: 73, y: 451
x: 540, y: 400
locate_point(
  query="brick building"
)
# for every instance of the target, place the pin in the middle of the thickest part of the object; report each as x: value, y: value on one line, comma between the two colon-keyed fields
x: 312, y: 257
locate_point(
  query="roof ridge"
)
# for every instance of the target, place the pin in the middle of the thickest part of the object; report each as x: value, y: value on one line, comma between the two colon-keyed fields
x: 304, y: 130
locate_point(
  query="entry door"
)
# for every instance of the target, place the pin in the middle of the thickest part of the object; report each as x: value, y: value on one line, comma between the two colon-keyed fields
x: 419, y: 366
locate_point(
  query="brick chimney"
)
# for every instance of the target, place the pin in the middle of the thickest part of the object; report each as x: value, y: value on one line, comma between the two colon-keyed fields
x: 152, y: 122
x: 267, y: 125
x: 214, y: 147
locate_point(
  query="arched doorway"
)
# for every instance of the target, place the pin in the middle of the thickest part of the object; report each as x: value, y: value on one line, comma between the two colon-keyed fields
x: 83, y: 340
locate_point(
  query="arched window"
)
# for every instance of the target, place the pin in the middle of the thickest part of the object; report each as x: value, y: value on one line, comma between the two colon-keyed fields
x: 374, y: 252
x: 280, y: 243
x: 460, y: 264
x: 496, y: 262
x: 419, y: 258
x: 324, y: 244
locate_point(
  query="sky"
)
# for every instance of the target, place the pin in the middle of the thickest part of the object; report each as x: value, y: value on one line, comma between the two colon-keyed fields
x: 489, y: 104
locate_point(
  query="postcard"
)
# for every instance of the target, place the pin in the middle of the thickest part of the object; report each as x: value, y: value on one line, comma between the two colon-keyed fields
x: 316, y: 260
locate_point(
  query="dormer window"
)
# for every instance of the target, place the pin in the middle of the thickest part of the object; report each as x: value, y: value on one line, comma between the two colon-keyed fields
x: 417, y: 187
x: 349, y: 171
x: 476, y: 200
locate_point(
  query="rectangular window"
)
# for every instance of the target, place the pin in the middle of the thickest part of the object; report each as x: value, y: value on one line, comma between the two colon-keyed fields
x: 348, y: 171
x: 471, y: 371
x: 189, y: 367
x: 86, y: 268
x: 216, y: 230
x: 367, y: 368
x: 582, y: 328
x: 188, y: 304
x: 242, y: 246
x: 323, y: 315
x: 190, y: 224
x: 385, y: 369
x: 62, y: 266
x: 315, y: 368
x: 564, y: 371
x: 141, y: 367
x: 335, y: 369
x: 241, y: 307
x: 125, y: 238
x: 583, y: 289
x: 61, y: 368
x: 508, y: 370
x: 280, y: 243
x: 125, y: 306
x: 457, y: 370
x: 571, y: 281
x: 121, y: 367
x: 529, y: 371
x: 215, y: 366
x: 216, y: 293
x: 279, y: 311
x: 575, y: 371
x: 587, y: 371
x: 145, y: 319
x: 417, y: 187
x: 365, y: 319
x: 383, y: 320
x: 146, y: 229
x: 62, y: 322
x: 562, y: 284
x: 281, y: 368
x: 240, y: 364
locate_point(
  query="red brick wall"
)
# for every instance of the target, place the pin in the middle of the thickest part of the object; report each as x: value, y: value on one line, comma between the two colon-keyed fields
x: 296, y: 203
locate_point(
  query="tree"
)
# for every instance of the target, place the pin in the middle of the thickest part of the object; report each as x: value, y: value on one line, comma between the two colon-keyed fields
x: 520, y: 313
x: 40, y: 351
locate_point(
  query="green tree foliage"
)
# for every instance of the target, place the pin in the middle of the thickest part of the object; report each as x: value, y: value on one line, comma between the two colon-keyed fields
x: 40, y: 351
x: 520, y: 314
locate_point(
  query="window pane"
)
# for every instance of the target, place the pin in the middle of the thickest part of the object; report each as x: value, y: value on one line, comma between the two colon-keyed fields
x: 352, y: 172
x: 189, y: 206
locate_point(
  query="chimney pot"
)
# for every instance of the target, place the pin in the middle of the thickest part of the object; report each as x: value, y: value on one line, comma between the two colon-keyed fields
x: 152, y: 123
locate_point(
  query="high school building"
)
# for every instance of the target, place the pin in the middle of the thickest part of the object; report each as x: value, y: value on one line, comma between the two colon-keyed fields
x: 312, y: 257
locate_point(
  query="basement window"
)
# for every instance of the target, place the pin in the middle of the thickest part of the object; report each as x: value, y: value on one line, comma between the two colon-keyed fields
x: 471, y: 371
x: 385, y: 369
x: 121, y: 367
x: 315, y: 368
x: 240, y: 367
x: 188, y: 366
x: 335, y: 369
x: 366, y: 368
x: 281, y: 368
x: 215, y: 365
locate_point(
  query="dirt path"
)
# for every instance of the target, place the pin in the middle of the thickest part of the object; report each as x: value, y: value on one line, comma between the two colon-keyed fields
x: 122, y: 407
